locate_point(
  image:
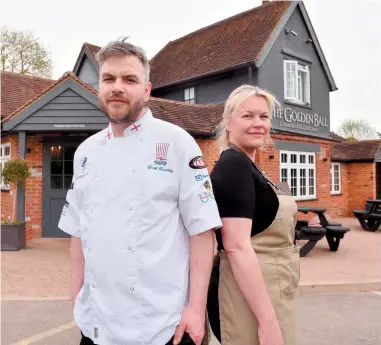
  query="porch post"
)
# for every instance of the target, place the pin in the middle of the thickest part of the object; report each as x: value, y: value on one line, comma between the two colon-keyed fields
x: 21, y: 189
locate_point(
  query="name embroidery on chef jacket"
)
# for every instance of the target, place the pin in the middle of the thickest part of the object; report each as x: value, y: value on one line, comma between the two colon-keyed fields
x: 160, y: 162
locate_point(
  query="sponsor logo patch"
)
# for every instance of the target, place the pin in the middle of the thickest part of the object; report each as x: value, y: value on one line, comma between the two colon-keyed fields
x: 201, y: 177
x: 197, y: 163
x: 206, y: 192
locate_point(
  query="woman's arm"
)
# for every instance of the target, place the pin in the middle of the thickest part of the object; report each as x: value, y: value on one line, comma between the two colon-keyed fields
x: 236, y: 234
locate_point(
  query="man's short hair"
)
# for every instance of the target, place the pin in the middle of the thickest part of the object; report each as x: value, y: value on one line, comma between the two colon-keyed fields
x: 122, y: 48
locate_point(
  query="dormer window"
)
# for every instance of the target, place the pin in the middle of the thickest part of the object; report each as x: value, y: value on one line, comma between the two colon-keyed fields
x: 190, y: 95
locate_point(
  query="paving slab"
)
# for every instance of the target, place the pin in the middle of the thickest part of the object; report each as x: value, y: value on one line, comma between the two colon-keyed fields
x: 322, y: 319
x: 43, y: 268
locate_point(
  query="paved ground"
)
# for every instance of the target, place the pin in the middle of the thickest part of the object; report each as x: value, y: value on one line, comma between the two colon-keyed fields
x: 323, y: 319
x: 42, y: 269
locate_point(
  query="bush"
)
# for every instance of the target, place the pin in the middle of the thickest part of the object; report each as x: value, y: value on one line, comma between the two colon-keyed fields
x: 15, y: 171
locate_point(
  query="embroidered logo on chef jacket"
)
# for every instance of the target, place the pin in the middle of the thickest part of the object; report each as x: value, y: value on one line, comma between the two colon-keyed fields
x: 108, y: 135
x: 160, y: 161
x: 206, y: 192
x: 83, y: 172
x: 197, y: 163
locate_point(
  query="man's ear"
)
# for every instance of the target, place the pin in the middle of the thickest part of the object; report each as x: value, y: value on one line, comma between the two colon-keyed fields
x: 147, y: 91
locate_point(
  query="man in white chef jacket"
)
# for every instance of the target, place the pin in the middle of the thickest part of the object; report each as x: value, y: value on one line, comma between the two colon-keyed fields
x: 141, y: 214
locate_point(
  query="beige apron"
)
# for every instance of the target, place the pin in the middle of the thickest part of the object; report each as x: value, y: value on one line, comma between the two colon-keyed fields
x: 279, y: 260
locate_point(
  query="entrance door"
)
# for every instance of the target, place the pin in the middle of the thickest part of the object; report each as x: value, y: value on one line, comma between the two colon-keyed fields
x: 378, y: 180
x: 58, y: 174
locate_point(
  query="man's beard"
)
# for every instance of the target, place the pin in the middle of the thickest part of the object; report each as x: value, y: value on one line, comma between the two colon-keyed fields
x: 130, y: 116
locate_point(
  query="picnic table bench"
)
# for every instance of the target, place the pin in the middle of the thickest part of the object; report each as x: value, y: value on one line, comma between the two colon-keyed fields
x: 370, y: 218
x: 333, y: 231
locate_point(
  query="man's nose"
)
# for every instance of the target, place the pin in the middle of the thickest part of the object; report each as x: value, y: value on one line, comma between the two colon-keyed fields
x: 117, y: 86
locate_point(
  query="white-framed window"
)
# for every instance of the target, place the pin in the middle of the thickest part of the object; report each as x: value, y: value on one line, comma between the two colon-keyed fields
x: 190, y: 95
x: 5, y: 156
x: 298, y: 169
x: 335, y: 178
x: 297, y: 86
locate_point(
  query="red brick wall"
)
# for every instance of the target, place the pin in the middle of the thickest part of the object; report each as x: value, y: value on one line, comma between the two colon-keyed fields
x: 339, y: 202
x: 210, y: 151
x: 33, y: 187
x: 33, y: 197
x: 362, y: 185
x: 357, y: 179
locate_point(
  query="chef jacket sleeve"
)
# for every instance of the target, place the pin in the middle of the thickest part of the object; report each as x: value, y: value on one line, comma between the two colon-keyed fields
x: 70, y: 221
x: 198, y: 208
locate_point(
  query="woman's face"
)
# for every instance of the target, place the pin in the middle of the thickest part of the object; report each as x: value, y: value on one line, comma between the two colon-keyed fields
x: 249, y: 124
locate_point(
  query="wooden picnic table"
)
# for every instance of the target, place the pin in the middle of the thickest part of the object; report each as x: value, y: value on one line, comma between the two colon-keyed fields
x: 333, y: 232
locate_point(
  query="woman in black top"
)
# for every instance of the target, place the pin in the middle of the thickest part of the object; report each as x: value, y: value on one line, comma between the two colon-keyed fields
x: 257, y: 270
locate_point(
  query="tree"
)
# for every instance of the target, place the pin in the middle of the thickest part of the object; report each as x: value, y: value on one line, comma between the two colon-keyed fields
x: 21, y: 52
x: 356, y: 130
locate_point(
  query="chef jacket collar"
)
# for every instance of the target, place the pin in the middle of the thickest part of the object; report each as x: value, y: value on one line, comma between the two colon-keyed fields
x: 136, y: 128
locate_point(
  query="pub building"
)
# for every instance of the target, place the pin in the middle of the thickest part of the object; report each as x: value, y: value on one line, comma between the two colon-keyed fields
x: 273, y: 46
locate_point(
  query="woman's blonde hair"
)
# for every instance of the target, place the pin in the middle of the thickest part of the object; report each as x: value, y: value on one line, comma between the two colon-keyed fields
x: 236, y: 98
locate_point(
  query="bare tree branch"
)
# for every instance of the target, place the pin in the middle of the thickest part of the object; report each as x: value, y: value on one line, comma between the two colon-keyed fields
x: 21, y: 52
x: 356, y: 130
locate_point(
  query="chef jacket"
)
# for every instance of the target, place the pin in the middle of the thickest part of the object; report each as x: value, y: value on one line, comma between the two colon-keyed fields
x: 134, y: 203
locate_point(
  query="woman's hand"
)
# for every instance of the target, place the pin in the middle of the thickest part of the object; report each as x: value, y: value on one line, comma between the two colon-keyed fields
x: 269, y: 332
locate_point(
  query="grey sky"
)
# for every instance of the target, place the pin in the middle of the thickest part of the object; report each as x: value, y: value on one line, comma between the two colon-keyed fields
x: 348, y: 31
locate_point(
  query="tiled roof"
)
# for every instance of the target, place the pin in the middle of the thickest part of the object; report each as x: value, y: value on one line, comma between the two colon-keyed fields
x: 231, y: 42
x: 17, y: 89
x: 196, y: 118
x: 355, y: 150
x: 93, y: 48
x: 337, y: 137
x: 43, y: 91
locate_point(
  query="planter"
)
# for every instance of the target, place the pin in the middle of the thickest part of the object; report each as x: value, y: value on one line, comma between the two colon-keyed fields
x: 12, y: 236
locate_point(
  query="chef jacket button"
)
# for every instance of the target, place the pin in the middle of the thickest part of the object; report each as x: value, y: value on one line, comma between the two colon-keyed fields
x: 93, y: 286
x: 131, y: 208
x: 132, y: 289
x: 129, y: 248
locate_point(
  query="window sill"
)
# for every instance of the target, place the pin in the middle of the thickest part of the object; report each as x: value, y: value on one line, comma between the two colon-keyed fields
x: 5, y: 189
x: 298, y: 104
x: 335, y: 193
x: 312, y: 198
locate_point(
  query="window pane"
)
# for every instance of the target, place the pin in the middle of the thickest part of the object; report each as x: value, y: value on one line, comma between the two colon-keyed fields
x: 303, y: 182
x: 293, y: 158
x: 7, y: 151
x: 294, y: 189
x: 311, y: 181
x: 186, y: 94
x: 191, y: 93
x: 56, y: 168
x: 283, y: 158
x: 283, y: 175
x: 302, y: 159
x: 311, y: 159
x: 69, y: 153
x: 56, y: 182
x: 67, y: 181
x: 68, y: 168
